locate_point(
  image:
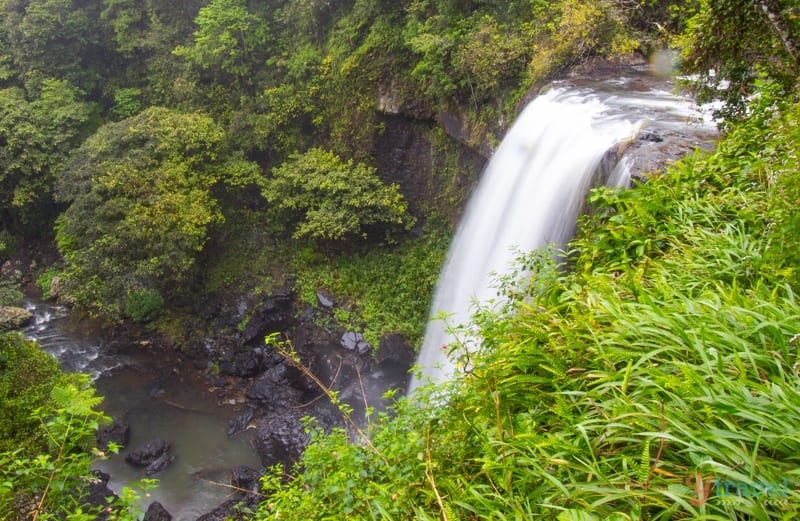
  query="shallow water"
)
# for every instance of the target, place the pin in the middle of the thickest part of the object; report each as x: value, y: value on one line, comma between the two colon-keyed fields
x: 159, y: 396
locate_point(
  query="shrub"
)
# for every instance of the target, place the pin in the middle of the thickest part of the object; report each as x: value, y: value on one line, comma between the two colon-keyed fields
x: 144, y: 305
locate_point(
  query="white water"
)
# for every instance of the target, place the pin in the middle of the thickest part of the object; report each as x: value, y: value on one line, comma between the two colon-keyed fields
x: 532, y: 192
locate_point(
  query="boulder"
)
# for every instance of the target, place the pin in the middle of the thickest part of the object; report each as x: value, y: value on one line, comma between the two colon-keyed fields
x: 157, y: 512
x: 355, y: 342
x: 117, y: 432
x: 161, y: 463
x: 281, y: 437
x: 14, y: 318
x: 275, y: 388
x: 98, y: 494
x: 273, y: 315
x: 232, y: 509
x: 242, y: 364
x: 324, y: 300
x: 148, y: 453
x: 240, y: 423
x: 245, y: 478
x: 394, y: 349
x: 56, y: 288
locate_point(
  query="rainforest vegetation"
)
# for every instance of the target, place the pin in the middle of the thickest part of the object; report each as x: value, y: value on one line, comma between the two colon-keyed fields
x: 175, y: 149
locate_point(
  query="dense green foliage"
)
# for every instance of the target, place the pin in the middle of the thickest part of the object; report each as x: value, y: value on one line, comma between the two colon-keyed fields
x: 384, y: 290
x: 38, y: 129
x: 655, y: 380
x: 48, y: 422
x: 332, y: 200
x: 27, y: 375
x: 274, y: 82
x: 730, y: 44
x: 142, y: 197
x: 646, y: 383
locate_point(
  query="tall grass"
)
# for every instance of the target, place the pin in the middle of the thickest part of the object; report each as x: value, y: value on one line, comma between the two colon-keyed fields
x: 658, y: 378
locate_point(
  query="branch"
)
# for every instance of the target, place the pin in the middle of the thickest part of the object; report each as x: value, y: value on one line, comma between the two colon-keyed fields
x: 779, y: 26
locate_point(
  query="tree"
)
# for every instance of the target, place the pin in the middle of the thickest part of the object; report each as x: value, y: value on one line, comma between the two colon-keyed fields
x: 36, y: 135
x: 228, y: 43
x: 142, y: 194
x: 53, y: 38
x: 730, y: 43
x: 325, y: 198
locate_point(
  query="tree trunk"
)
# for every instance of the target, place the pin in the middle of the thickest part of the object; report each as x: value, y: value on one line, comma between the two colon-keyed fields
x: 780, y: 27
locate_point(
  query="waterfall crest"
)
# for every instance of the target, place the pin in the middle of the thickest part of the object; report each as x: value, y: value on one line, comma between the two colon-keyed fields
x: 530, y: 196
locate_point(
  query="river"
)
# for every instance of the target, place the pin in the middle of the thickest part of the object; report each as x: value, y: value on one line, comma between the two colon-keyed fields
x: 160, y: 395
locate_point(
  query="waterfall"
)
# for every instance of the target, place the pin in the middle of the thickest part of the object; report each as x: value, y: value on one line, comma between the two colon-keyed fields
x: 530, y: 196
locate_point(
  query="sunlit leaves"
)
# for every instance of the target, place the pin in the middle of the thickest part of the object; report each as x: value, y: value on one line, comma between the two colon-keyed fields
x: 329, y: 199
x: 141, y: 204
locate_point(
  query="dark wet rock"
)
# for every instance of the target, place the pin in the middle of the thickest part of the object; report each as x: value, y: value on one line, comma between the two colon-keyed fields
x: 650, y: 136
x: 273, y: 315
x: 233, y: 509
x: 242, y: 364
x: 56, y: 288
x: 148, y: 453
x: 275, y: 388
x: 160, y: 464
x: 98, y: 494
x: 239, y: 424
x: 157, y: 512
x: 281, y: 437
x: 245, y: 478
x: 324, y: 300
x: 117, y: 432
x: 394, y: 349
x: 14, y: 318
x: 355, y: 342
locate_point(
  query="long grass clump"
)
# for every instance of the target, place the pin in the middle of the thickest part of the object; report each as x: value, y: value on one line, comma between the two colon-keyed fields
x: 656, y: 378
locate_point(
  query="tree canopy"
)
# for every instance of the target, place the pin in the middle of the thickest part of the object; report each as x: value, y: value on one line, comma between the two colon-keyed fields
x: 142, y: 198
x: 329, y: 199
x: 38, y: 130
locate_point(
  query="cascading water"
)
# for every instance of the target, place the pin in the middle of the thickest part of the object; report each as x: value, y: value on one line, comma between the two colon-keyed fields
x: 532, y: 192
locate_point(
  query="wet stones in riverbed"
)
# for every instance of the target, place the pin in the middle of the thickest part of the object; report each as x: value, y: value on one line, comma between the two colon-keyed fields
x: 14, y: 318
x: 281, y: 437
x: 117, y: 432
x: 245, y: 479
x: 249, y: 362
x: 157, y: 512
x: 246, y: 482
x: 275, y: 388
x: 154, y: 456
x: 355, y: 342
x: 98, y: 493
x: 240, y: 423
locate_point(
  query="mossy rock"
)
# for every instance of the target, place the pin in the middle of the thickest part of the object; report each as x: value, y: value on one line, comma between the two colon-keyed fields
x: 14, y: 318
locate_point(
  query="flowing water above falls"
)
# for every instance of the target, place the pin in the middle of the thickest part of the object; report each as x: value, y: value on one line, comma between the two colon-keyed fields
x: 159, y: 396
x: 536, y: 182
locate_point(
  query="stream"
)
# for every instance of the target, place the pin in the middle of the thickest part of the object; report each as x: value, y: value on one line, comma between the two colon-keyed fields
x: 160, y: 396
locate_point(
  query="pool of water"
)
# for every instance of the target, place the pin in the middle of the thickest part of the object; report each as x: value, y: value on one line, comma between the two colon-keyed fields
x: 160, y: 396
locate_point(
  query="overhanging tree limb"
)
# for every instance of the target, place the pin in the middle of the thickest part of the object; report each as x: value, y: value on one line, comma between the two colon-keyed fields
x: 780, y: 27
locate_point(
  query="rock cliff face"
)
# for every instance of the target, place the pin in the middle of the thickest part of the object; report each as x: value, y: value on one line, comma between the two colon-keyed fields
x: 432, y: 169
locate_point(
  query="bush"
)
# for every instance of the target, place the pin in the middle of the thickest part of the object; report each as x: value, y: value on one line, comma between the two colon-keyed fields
x: 27, y: 374
x: 325, y: 198
x: 144, y: 305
